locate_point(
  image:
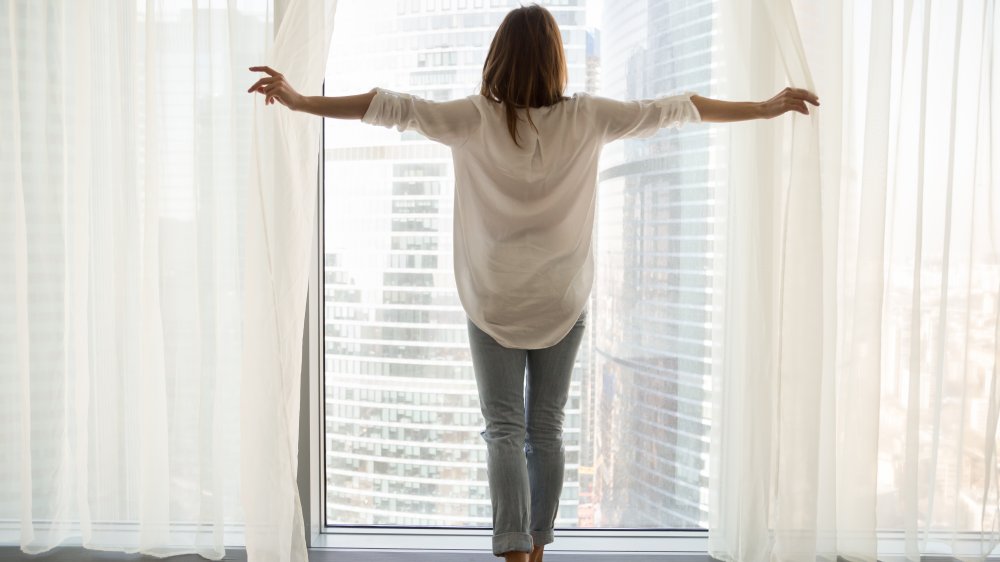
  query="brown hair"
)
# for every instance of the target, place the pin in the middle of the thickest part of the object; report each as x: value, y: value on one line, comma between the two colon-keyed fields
x: 526, y: 66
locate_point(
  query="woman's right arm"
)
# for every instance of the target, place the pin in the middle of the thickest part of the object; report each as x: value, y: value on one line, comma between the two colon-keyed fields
x: 641, y: 118
x: 276, y: 88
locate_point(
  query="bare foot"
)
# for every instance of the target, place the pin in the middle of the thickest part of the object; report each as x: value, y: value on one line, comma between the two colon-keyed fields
x: 536, y: 554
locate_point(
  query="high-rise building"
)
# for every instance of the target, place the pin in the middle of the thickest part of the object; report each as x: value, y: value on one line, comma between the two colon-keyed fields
x: 651, y: 317
x: 593, y: 60
x: 402, y: 409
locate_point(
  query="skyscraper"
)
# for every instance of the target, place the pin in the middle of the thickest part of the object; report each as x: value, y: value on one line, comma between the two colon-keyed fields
x: 652, y: 318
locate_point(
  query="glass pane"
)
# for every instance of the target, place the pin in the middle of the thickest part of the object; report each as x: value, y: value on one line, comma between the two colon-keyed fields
x: 403, y: 418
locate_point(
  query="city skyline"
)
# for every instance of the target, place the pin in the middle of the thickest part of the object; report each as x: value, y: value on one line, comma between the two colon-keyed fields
x: 401, y: 396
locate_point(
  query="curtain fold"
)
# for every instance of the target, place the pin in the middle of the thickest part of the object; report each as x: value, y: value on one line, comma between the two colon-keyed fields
x: 854, y: 378
x: 146, y: 404
x: 281, y: 215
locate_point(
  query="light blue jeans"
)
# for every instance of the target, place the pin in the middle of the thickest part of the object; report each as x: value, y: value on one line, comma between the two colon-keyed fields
x: 524, y: 426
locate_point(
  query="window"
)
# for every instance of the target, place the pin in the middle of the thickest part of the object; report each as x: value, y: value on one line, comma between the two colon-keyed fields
x: 402, y: 412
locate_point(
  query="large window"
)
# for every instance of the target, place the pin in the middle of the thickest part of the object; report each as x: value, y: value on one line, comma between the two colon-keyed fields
x: 402, y: 413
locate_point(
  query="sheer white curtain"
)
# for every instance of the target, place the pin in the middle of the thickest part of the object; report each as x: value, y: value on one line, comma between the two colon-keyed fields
x: 154, y: 234
x: 855, y: 379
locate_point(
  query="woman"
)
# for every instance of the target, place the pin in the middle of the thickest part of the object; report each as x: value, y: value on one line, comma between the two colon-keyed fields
x: 525, y: 161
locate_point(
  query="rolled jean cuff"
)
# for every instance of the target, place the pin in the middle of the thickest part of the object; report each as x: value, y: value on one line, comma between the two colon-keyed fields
x: 511, y: 542
x: 542, y: 538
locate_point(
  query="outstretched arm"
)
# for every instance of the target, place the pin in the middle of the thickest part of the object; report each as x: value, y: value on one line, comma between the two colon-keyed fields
x: 339, y: 107
x: 449, y: 122
x: 276, y: 88
x: 719, y: 111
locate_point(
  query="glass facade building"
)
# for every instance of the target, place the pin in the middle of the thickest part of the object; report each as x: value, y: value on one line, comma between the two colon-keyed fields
x: 402, y: 409
x: 652, y: 317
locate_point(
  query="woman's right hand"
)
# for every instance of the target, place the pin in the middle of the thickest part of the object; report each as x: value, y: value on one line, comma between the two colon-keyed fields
x: 789, y: 99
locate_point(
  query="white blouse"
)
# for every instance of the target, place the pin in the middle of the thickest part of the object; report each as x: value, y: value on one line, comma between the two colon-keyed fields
x: 524, y: 264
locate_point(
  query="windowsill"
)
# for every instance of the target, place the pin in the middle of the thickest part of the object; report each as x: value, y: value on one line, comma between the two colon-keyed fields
x: 472, y: 545
x: 591, y: 541
x: 390, y: 555
x: 238, y: 554
x: 79, y: 554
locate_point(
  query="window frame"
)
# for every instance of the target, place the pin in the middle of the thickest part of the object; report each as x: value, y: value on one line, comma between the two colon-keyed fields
x: 598, y: 545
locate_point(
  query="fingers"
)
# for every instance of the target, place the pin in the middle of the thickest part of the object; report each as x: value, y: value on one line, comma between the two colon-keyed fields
x: 268, y: 83
x: 266, y: 69
x: 798, y: 105
x: 792, y: 104
x: 273, y: 86
x: 800, y: 94
x: 274, y: 92
x: 805, y: 95
x: 793, y: 99
x: 262, y: 82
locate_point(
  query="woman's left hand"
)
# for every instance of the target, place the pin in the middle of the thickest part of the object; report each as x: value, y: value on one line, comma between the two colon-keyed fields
x: 275, y: 88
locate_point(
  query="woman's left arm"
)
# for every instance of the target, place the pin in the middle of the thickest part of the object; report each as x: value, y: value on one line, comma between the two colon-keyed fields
x: 719, y: 111
x: 449, y: 122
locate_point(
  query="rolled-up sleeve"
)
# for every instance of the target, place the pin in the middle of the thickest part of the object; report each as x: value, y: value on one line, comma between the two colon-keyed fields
x: 641, y: 118
x: 450, y: 122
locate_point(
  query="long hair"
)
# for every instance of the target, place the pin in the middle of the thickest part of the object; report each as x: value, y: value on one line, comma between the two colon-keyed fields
x: 526, y: 65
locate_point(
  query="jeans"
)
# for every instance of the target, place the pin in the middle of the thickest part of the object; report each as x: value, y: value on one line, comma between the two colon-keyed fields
x: 524, y: 427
